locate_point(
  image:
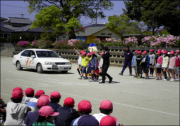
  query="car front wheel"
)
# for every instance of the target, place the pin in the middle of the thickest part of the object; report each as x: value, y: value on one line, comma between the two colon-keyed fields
x: 18, y: 66
x: 39, y: 68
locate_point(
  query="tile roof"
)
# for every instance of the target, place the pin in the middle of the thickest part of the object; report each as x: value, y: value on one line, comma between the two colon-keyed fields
x: 10, y: 27
x: 24, y: 28
x: 90, y: 30
x: 4, y: 29
x: 2, y: 19
x: 17, y: 20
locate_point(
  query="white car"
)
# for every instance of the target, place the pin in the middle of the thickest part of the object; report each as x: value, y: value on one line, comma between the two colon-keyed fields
x: 41, y: 60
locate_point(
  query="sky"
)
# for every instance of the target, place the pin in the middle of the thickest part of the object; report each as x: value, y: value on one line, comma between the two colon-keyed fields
x: 15, y: 8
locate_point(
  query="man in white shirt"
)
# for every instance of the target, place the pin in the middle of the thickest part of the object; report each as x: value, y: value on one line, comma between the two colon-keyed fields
x: 106, y: 108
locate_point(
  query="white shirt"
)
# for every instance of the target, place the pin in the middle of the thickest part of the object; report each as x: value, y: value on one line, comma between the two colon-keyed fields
x: 99, y: 116
x: 15, y: 114
x: 79, y: 60
x: 152, y: 59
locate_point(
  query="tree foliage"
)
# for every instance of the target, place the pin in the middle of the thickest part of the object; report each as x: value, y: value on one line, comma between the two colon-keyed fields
x: 123, y: 24
x: 155, y: 13
x: 64, y: 15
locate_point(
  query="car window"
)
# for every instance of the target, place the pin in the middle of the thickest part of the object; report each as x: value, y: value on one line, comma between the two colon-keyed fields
x: 25, y: 53
x: 47, y: 54
x: 31, y: 53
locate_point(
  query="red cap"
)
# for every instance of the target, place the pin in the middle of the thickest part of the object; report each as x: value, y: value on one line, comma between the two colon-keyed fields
x: 165, y: 52
x: 177, y: 51
x: 139, y: 52
x: 39, y: 93
x: 84, y: 53
x: 108, y: 121
x: 172, y: 52
x: 43, y: 100
x: 84, y: 106
x: 16, y: 94
x: 47, y: 111
x: 152, y: 50
x: 158, y: 52
x: 136, y: 51
x: 69, y: 101
x: 145, y: 52
x: 55, y: 94
x: 81, y: 51
x: 18, y: 88
x: 106, y: 105
x: 162, y: 51
x: 29, y: 91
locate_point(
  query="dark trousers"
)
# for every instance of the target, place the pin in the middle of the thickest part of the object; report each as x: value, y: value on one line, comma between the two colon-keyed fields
x: 125, y: 65
x: 104, y: 72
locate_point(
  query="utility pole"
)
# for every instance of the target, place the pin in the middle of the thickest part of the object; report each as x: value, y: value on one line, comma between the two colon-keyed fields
x: 22, y: 15
x: 96, y: 15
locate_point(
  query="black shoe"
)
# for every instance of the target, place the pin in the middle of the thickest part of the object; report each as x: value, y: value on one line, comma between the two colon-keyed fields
x: 110, y: 80
x: 101, y: 82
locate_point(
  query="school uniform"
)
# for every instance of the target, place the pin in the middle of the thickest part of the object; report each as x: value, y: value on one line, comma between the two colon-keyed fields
x: 139, y: 67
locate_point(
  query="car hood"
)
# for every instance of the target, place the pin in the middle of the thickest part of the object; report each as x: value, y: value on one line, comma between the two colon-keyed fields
x: 53, y: 59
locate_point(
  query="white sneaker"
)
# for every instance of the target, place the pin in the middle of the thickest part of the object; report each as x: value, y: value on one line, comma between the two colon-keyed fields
x: 172, y: 80
x: 79, y: 77
x: 165, y: 79
x: 90, y: 80
x: 177, y: 79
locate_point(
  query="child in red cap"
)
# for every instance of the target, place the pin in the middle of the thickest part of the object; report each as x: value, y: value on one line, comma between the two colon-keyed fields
x: 84, y: 64
x: 79, y: 69
x: 177, y: 69
x: 33, y: 116
x: 139, y: 67
x: 29, y: 95
x: 46, y: 116
x: 84, y: 109
x: 106, y: 108
x: 158, y: 65
x: 66, y: 113
x: 33, y: 101
x: 152, y: 61
x: 172, y: 65
x: 165, y: 64
x: 15, y: 110
x: 145, y: 64
x: 134, y: 63
x: 55, y: 99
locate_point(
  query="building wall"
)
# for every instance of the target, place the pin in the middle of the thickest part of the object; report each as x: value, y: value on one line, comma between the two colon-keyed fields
x: 106, y: 31
x: 2, y: 23
x: 90, y: 38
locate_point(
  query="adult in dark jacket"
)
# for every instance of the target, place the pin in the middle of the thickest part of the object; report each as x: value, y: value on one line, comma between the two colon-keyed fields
x: 128, y: 58
x: 105, y: 65
x: 66, y: 113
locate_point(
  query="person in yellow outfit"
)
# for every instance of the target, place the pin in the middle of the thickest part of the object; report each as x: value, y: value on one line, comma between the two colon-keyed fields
x: 84, y: 64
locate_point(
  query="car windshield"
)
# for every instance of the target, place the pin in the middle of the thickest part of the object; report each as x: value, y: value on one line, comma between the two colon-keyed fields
x: 47, y: 54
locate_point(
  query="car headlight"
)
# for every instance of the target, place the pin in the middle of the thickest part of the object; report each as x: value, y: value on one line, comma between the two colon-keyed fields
x: 49, y: 63
x: 68, y: 63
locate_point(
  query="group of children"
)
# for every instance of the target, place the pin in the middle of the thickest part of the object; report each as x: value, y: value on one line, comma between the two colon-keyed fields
x: 165, y: 62
x: 89, y: 64
x: 42, y: 110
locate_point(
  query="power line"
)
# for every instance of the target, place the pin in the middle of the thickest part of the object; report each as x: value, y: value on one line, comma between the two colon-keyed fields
x: 14, y: 6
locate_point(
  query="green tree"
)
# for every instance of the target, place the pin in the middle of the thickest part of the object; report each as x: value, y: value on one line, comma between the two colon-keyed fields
x: 155, y: 13
x: 123, y: 24
x: 64, y: 15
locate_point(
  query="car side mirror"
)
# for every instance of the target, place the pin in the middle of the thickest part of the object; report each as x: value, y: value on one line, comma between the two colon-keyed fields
x: 32, y: 56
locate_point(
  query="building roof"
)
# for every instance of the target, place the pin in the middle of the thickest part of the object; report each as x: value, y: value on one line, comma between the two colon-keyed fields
x: 90, y: 30
x: 4, y: 29
x: 2, y: 19
x: 24, y: 28
x: 10, y: 27
x: 18, y: 20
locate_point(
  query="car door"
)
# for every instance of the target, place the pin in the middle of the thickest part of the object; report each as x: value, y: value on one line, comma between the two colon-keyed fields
x: 32, y: 60
x: 24, y: 58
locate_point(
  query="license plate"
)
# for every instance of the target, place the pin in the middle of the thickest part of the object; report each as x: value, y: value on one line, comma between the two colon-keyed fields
x: 61, y: 68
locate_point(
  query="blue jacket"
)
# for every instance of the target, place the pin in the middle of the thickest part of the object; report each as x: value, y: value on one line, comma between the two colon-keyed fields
x: 128, y: 56
x: 134, y: 60
x: 94, y: 62
x: 147, y: 60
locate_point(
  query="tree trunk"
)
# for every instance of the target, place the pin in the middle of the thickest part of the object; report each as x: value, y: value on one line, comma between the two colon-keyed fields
x: 71, y: 34
x: 153, y: 31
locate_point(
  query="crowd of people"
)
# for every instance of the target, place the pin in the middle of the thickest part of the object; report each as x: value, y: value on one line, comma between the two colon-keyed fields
x: 165, y: 62
x: 162, y: 63
x: 40, y: 109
